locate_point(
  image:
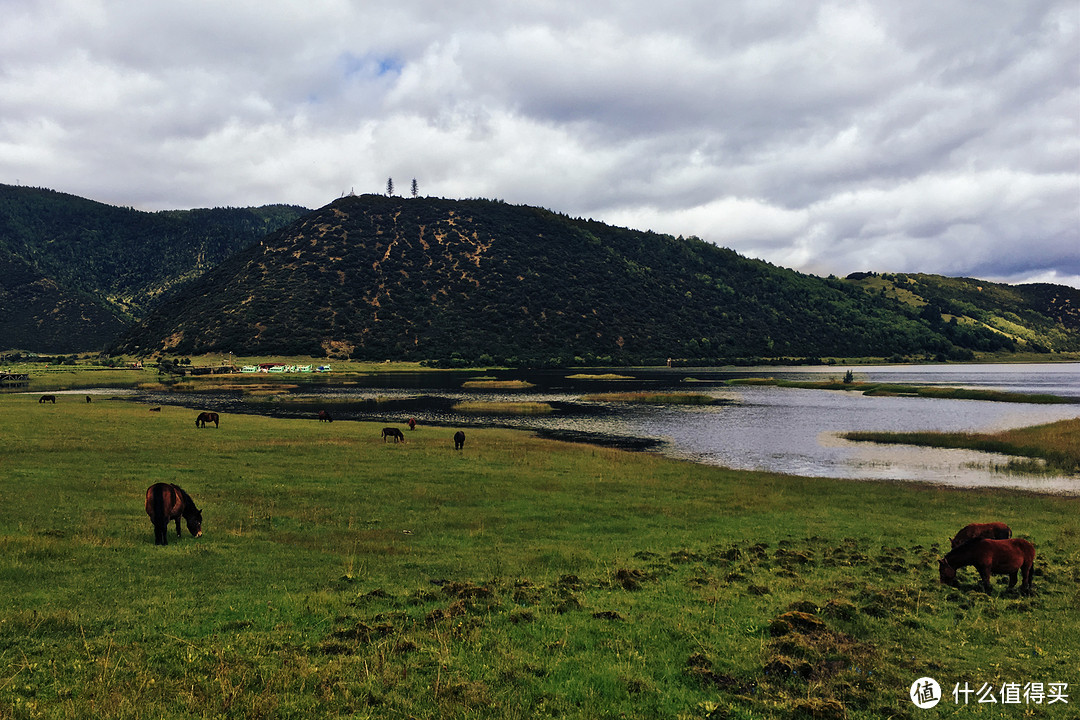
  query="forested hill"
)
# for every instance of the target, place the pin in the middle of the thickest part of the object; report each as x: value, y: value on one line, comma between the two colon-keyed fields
x: 382, y: 277
x: 74, y: 273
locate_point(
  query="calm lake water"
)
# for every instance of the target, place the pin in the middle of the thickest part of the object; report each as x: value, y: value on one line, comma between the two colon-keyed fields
x: 755, y: 428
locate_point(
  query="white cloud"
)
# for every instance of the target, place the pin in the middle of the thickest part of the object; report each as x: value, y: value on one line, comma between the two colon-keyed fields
x: 829, y: 137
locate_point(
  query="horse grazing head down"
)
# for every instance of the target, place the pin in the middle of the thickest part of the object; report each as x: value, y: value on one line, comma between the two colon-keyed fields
x: 990, y: 557
x: 206, y: 417
x: 165, y: 503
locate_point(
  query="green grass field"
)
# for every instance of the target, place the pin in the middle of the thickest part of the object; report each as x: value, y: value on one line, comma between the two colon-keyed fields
x: 340, y: 576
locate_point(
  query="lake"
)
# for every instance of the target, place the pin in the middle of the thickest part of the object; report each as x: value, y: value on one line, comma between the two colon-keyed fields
x: 755, y: 428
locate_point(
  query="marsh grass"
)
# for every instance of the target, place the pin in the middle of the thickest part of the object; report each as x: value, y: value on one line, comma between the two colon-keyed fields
x: 660, y: 398
x: 902, y: 390
x: 1057, y: 443
x: 339, y: 576
x: 497, y: 385
x: 483, y: 407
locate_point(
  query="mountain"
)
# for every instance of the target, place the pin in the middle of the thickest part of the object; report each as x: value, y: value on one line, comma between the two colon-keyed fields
x: 378, y: 277
x: 75, y: 273
x: 1038, y: 317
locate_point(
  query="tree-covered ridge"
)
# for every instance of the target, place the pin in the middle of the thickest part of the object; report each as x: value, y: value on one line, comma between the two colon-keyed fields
x: 1037, y: 317
x: 36, y: 313
x: 380, y: 277
x: 117, y: 260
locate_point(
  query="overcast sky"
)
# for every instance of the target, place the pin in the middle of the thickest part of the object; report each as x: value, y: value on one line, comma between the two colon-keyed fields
x: 934, y: 136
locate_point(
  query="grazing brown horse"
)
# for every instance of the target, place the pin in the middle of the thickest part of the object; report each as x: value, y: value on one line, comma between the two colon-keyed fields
x: 459, y: 440
x: 205, y: 418
x: 47, y: 398
x: 974, y: 531
x: 412, y: 423
x: 157, y: 409
x: 392, y: 432
x: 991, y: 557
x: 166, y: 502
x: 325, y: 416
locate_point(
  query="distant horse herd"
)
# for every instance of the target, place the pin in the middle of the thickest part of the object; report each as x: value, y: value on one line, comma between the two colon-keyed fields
x: 990, y: 547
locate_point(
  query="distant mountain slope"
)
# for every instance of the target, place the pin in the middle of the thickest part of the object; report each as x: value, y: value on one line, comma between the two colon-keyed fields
x: 377, y: 277
x: 74, y: 272
x: 1039, y: 317
x: 36, y: 313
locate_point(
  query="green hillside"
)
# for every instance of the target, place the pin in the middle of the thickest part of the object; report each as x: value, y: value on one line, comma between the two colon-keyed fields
x: 74, y: 272
x: 376, y: 277
x: 1038, y: 317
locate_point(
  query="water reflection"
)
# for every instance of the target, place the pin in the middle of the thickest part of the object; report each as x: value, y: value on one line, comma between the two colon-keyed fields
x: 756, y: 428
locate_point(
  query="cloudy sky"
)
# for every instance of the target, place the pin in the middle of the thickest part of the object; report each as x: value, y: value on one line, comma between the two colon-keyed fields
x: 829, y: 137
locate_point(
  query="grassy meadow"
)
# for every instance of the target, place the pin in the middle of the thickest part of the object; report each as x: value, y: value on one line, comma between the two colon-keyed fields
x: 340, y: 576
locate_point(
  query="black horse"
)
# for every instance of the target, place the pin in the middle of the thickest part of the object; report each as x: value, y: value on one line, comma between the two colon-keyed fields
x: 166, y: 502
x: 47, y: 398
x: 205, y: 418
x: 392, y: 432
x: 325, y: 416
x: 459, y: 440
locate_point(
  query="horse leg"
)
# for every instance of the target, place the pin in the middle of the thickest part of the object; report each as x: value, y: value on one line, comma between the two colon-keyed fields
x: 1012, y: 580
x: 161, y: 533
x: 984, y: 571
x: 177, y: 526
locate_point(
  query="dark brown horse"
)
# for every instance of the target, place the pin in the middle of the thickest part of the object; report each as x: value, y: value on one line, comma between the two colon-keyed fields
x: 205, y: 418
x: 974, y: 531
x: 991, y: 557
x: 47, y: 398
x: 392, y: 432
x: 459, y: 440
x: 166, y: 502
x: 88, y: 399
x: 325, y: 416
x: 412, y: 423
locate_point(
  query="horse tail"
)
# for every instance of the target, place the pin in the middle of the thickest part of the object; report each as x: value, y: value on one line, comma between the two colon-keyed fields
x: 158, y: 514
x: 158, y: 503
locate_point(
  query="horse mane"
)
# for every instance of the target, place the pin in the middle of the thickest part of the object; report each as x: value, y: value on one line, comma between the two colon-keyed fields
x: 188, y: 502
x: 952, y: 554
x: 963, y: 545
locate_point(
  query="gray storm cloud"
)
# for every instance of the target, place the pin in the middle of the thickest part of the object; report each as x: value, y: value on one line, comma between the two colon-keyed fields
x: 827, y: 137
